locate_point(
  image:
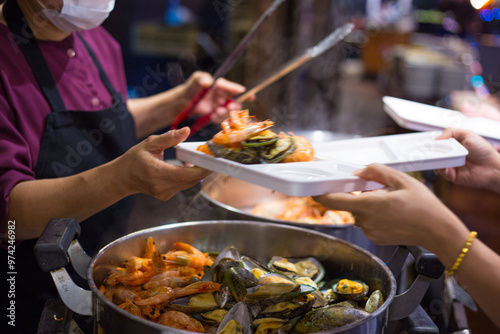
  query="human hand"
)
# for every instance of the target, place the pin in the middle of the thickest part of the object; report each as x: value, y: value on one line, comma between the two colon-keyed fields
x: 406, y: 212
x: 215, y: 99
x: 143, y: 170
x: 482, y: 165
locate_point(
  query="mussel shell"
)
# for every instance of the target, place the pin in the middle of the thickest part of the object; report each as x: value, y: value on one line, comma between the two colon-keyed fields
x: 374, y: 301
x: 219, y: 271
x: 240, y: 313
x: 289, y: 309
x: 245, y: 155
x: 352, y: 296
x: 308, y: 267
x: 250, y: 264
x: 274, y: 288
x: 238, y: 280
x: 213, y: 317
x: 228, y: 254
x: 327, y: 318
x: 198, y: 303
x: 268, y: 325
x: 282, y: 148
x: 264, y: 138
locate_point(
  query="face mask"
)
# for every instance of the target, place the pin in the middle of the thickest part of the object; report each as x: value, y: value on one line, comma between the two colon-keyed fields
x: 79, y: 14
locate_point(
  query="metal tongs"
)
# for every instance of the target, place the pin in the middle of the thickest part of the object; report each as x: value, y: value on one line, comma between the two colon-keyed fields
x: 332, y: 39
x: 222, y: 70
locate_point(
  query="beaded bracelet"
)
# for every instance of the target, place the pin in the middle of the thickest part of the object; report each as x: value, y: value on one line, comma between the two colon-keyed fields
x: 461, y: 256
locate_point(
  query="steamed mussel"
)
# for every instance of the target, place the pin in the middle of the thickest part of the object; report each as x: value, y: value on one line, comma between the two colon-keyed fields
x: 265, y: 147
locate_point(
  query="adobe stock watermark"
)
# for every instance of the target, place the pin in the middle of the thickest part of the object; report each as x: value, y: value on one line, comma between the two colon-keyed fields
x: 11, y: 272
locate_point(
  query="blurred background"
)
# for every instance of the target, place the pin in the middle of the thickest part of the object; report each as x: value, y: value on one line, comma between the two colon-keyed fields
x: 439, y: 52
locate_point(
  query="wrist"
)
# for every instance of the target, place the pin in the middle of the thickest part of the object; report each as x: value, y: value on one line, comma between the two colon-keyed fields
x: 115, y: 180
x: 447, y: 240
x: 494, y: 184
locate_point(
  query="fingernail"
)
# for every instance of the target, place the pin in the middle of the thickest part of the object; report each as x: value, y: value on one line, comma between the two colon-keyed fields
x: 358, y: 171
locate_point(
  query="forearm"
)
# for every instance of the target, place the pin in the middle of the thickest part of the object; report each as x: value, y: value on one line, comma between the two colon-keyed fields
x: 33, y: 203
x: 156, y: 112
x: 479, y: 272
x: 479, y: 275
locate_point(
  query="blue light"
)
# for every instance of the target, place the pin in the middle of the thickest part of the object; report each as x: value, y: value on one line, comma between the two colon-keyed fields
x: 486, y: 15
x: 477, y: 81
x: 496, y: 13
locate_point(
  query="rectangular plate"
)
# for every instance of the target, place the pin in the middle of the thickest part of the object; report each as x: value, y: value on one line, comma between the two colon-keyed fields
x: 406, y: 152
x: 332, y: 171
x: 423, y: 117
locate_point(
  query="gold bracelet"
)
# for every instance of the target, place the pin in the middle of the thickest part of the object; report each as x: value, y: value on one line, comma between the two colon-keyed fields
x: 461, y: 256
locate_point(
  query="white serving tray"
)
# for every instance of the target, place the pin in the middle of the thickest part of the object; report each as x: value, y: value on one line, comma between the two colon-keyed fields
x: 405, y: 152
x: 332, y: 170
x: 423, y: 117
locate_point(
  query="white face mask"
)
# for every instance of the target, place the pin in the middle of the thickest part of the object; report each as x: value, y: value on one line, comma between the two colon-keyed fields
x: 79, y: 14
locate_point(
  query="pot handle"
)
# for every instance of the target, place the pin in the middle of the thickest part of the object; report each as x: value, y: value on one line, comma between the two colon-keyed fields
x: 51, y: 253
x: 427, y: 266
x: 419, y: 322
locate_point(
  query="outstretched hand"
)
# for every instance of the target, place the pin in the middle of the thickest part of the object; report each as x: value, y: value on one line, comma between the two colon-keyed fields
x: 406, y: 212
x: 482, y: 165
x: 143, y: 170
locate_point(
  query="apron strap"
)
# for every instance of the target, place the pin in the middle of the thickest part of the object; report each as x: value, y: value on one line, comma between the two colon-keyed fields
x: 24, y: 38
x: 117, y: 97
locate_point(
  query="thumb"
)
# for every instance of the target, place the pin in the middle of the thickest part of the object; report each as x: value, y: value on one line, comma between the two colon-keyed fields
x: 447, y: 133
x: 168, y: 139
x: 203, y: 79
x: 383, y: 175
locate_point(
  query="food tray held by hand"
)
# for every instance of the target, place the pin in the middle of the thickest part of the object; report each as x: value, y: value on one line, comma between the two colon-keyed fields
x: 405, y: 152
x: 332, y: 170
x: 423, y: 117
x: 294, y: 178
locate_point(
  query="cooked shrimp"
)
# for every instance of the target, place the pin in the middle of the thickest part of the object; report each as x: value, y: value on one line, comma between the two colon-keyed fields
x: 124, y: 293
x: 167, y: 278
x: 239, y: 127
x: 150, y: 248
x: 198, y: 287
x: 187, y: 256
x: 155, y: 296
x: 204, y: 149
x: 138, y: 263
x: 121, y: 275
x: 107, y: 291
x: 131, y: 308
x: 181, y: 320
x: 304, y: 151
x: 152, y: 312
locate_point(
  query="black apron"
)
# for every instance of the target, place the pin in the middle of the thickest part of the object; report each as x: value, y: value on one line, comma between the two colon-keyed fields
x: 73, y: 142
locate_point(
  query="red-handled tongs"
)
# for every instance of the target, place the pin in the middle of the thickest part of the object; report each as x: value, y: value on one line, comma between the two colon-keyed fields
x: 222, y: 70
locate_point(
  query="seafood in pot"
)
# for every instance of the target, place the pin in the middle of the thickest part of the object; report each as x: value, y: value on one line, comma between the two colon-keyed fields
x: 189, y: 289
x: 246, y: 140
x: 302, y: 210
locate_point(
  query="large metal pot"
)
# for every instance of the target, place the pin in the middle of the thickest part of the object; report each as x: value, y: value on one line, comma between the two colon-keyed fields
x: 233, y: 199
x: 256, y: 239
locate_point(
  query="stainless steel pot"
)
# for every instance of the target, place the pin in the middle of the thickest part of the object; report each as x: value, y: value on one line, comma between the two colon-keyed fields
x: 256, y: 239
x: 234, y: 199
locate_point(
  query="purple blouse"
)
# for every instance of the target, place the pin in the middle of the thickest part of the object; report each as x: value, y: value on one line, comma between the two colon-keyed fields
x: 23, y: 107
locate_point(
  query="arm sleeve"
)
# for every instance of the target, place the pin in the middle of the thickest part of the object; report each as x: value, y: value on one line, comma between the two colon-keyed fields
x: 16, y: 159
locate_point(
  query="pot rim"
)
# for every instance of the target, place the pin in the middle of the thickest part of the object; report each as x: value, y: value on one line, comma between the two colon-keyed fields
x: 97, y: 294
